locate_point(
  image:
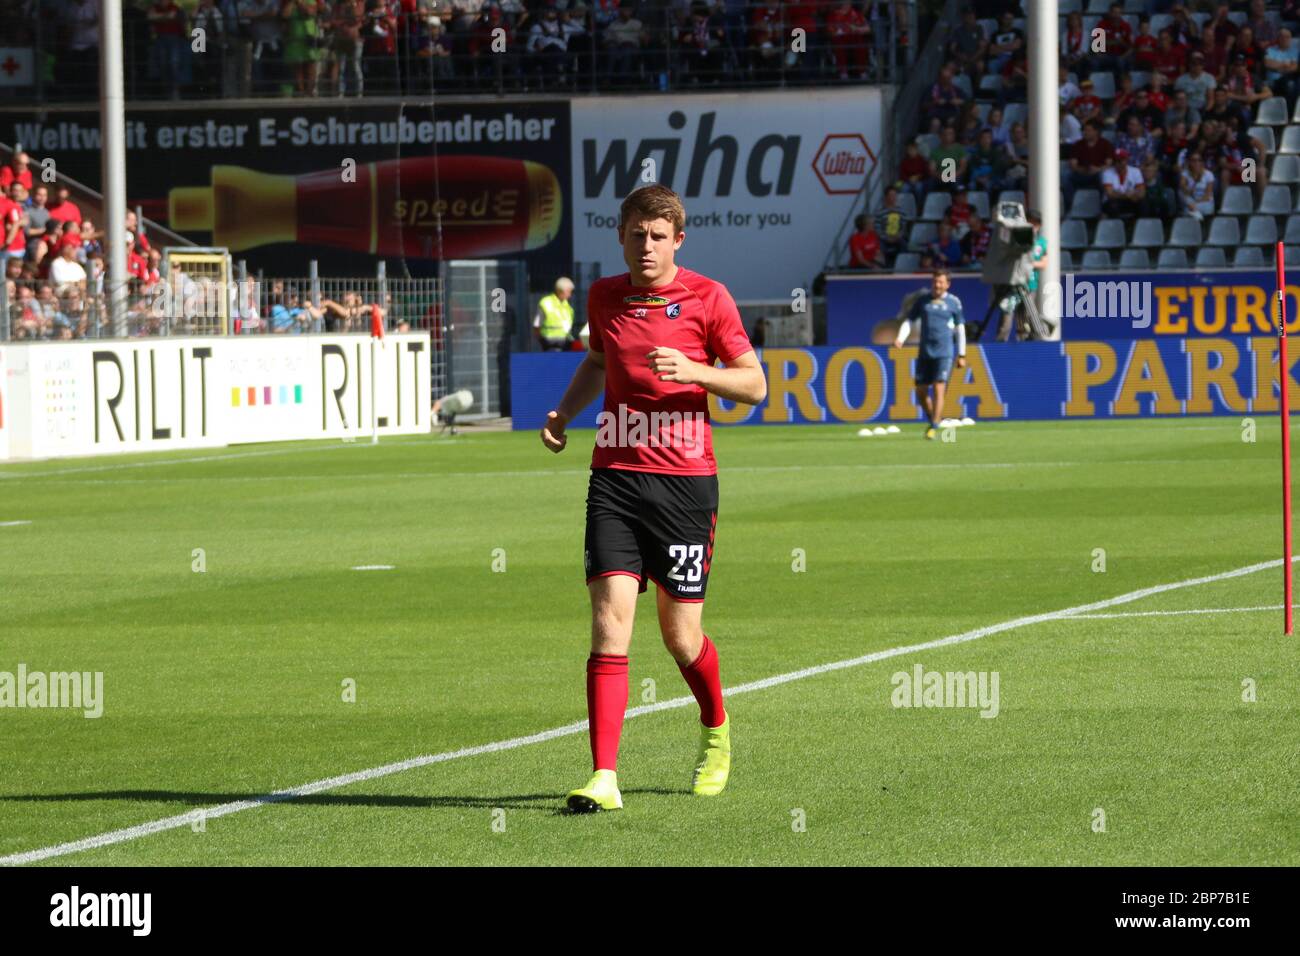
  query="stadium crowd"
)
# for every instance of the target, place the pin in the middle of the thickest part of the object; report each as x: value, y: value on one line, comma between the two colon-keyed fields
x: 357, y: 47
x: 1157, y: 102
x: 54, y: 278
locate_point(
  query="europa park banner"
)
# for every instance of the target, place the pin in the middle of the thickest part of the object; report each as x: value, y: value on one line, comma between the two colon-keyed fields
x: 1229, y: 375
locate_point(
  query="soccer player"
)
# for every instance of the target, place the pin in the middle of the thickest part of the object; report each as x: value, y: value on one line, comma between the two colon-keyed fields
x: 656, y: 332
x: 942, y: 331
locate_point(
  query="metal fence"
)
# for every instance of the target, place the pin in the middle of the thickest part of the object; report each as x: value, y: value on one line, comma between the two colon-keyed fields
x: 451, y: 46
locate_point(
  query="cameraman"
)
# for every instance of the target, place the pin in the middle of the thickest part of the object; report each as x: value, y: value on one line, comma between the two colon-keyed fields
x: 1031, y: 266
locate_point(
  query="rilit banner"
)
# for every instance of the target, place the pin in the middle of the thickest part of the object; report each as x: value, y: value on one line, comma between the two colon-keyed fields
x: 1007, y: 381
x: 93, y: 398
x: 340, y: 183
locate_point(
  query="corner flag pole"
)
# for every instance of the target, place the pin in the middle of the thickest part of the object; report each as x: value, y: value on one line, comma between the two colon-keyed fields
x: 1284, y: 377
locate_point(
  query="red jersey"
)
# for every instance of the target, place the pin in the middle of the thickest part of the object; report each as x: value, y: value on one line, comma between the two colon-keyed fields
x: 64, y: 212
x: 648, y: 424
x: 864, y: 249
x: 7, y: 177
x: 11, y: 213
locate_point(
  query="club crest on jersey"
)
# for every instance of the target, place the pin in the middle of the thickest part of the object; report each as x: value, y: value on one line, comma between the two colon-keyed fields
x: 674, y: 310
x: 655, y: 300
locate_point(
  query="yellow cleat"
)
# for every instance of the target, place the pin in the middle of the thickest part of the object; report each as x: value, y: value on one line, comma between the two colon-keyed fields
x: 600, y: 793
x: 929, y: 433
x: 710, y: 777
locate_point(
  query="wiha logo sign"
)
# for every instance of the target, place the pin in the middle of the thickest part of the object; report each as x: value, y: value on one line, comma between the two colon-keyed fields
x: 842, y: 162
x: 760, y: 166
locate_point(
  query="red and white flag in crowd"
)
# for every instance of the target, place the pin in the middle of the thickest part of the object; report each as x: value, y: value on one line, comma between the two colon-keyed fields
x: 376, y: 322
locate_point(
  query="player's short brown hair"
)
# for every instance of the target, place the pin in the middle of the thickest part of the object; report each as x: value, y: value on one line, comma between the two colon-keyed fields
x: 652, y: 202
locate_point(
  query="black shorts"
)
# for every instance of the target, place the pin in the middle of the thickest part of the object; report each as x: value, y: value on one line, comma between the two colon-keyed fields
x: 654, y: 526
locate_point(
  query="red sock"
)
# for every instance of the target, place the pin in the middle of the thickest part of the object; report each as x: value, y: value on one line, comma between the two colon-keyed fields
x: 606, y: 702
x: 702, y: 676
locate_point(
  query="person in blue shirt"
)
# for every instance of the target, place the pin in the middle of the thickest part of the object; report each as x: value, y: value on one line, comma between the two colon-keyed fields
x: 943, y: 336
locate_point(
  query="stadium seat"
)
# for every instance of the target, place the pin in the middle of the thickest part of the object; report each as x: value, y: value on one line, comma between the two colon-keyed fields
x: 1261, y: 231
x: 1272, y: 112
x: 1249, y: 257
x: 1238, y: 17
x: 1186, y: 231
x: 980, y: 200
x: 1098, y: 6
x: 1097, y: 259
x: 1067, y: 260
x: 1292, y: 233
x: 962, y: 82
x: 1086, y: 205
x: 907, y: 262
x: 1292, y: 253
x: 1290, y: 139
x: 1224, y: 231
x: 1012, y: 195
x: 907, y: 203
x: 1070, y: 6
x: 1237, y: 201
x: 1148, y: 234
x: 936, y: 205
x: 1140, y: 79
x: 1074, y: 234
x: 1201, y: 18
x: 1134, y: 259
x: 929, y: 142
x: 1276, y: 201
x: 1265, y: 135
x: 1159, y: 21
x: 983, y: 109
x: 1109, y: 235
x: 989, y: 26
x: 1295, y: 113
x: 1172, y: 259
x: 1103, y: 85
x: 1211, y: 258
x: 1014, y: 113
x: 1286, y: 169
x: 922, y: 233
x: 990, y: 86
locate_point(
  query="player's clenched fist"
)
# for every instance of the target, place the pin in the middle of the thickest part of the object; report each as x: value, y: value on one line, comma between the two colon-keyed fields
x: 553, y: 436
x: 670, y: 365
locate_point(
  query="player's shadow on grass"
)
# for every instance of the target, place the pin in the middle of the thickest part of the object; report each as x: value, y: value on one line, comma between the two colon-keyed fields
x: 518, y: 801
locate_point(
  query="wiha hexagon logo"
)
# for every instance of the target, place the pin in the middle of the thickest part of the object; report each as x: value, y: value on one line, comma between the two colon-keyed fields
x: 842, y: 162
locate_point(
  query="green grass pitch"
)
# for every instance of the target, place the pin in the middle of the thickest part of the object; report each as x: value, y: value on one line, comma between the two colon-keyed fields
x: 1118, y: 739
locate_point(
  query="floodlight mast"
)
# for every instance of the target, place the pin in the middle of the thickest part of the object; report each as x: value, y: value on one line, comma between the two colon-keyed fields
x: 112, y: 123
x: 1044, y: 150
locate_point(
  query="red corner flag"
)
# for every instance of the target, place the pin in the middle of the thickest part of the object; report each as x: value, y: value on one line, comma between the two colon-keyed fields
x: 376, y: 323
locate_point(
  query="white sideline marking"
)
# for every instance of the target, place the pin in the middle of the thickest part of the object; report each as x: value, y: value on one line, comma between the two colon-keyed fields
x: 1196, y: 610
x: 569, y: 472
x: 374, y: 773
x: 12, y: 524
x: 374, y: 567
x: 267, y: 453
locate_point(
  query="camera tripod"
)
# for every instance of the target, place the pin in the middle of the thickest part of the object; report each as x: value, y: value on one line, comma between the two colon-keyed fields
x: 1030, y: 324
